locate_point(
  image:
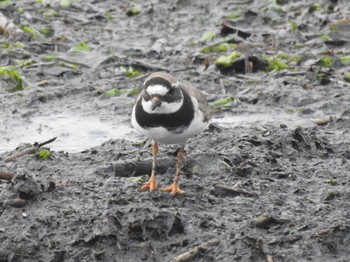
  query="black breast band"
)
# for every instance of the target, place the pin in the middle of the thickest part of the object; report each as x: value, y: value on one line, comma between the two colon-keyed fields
x: 179, y: 119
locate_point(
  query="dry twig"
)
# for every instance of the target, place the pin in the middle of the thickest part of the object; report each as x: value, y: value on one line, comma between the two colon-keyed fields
x: 30, y: 150
x: 187, y: 256
x: 6, y: 175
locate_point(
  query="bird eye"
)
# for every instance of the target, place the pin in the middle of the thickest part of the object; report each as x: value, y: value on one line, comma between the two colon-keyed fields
x: 174, y: 85
x: 146, y: 95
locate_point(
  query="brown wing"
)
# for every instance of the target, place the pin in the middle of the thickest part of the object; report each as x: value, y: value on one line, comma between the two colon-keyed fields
x: 202, y: 102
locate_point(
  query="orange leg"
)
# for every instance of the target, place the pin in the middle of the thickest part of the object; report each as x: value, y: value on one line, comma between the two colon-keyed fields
x: 174, y: 188
x: 151, y: 184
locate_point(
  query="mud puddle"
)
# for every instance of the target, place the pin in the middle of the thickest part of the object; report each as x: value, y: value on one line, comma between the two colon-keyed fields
x: 254, y: 119
x: 74, y: 132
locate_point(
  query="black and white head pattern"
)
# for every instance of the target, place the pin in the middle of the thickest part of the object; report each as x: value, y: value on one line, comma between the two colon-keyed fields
x: 168, y: 91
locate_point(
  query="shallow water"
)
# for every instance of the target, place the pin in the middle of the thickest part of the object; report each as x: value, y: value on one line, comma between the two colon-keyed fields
x: 247, y: 119
x: 74, y: 132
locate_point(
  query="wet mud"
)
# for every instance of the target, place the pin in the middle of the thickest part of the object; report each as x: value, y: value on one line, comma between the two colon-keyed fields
x: 269, y: 179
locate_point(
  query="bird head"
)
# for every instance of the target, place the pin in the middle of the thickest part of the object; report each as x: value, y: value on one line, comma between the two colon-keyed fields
x: 162, y: 93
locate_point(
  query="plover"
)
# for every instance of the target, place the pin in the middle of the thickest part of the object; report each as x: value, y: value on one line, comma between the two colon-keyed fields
x: 169, y: 112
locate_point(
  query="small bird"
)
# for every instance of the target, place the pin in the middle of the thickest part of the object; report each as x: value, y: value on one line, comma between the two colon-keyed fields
x: 169, y: 112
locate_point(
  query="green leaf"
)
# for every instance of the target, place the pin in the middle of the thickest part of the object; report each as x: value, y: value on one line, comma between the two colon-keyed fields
x: 314, y: 7
x: 20, y: 10
x: 133, y: 11
x: 99, y: 91
x: 299, y: 110
x: 224, y: 61
x: 51, y: 13
x: 293, y: 26
x: 332, y: 182
x: 10, y: 73
x: 137, y: 179
x: 347, y: 77
x: 223, y: 104
x: 287, y: 57
x: 233, y: 16
x: 81, y: 47
x: 133, y: 92
x: 115, y: 92
x: 24, y: 62
x: 19, y: 45
x: 68, y: 65
x: 31, y: 31
x: 4, y: 3
x: 277, y: 64
x: 130, y: 72
x: 222, y: 47
x: 345, y: 59
x: 46, y: 30
x: 66, y: 3
x: 208, y: 36
x: 325, y: 38
x: 44, y: 154
x: 122, y: 69
x: 326, y: 61
x: 224, y: 101
x: 108, y: 16
x: 49, y: 58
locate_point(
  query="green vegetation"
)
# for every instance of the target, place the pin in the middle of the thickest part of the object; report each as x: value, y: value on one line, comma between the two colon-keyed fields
x: 44, y: 154
x: 81, y: 47
x: 208, y: 36
x: 233, y: 16
x: 4, y: 3
x: 130, y: 72
x: 325, y: 38
x: 68, y: 65
x: 51, y: 13
x: 332, y: 182
x: 23, y: 62
x: 293, y: 26
x: 108, y: 16
x: 223, y: 104
x: 326, y: 61
x: 225, y: 61
x: 46, y: 30
x: 133, y: 11
x: 9, y: 73
x: 345, y: 59
x: 298, y: 110
x: 66, y: 3
x: 36, y: 35
x: 314, y: 7
x: 11, y: 46
x: 216, y: 48
x: 50, y: 57
x: 347, y: 77
x: 137, y: 179
x: 277, y: 64
x: 118, y: 92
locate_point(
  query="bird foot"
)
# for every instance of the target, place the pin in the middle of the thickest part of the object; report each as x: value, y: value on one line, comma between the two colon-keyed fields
x: 174, y: 188
x: 150, y: 184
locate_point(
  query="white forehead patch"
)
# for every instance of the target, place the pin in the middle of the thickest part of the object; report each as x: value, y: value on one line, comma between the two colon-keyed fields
x: 157, y: 90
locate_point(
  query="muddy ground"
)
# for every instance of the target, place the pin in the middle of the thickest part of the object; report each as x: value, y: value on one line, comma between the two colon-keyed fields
x: 263, y: 183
